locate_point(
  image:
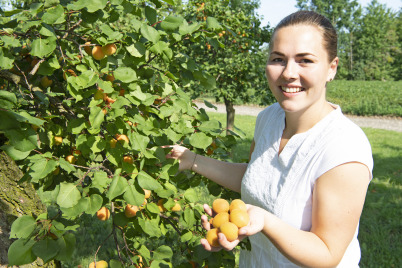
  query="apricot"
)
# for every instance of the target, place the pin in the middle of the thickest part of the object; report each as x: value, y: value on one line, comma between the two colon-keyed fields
x: 176, y: 207
x: 88, y: 48
x: 97, y: 53
x: 103, y: 214
x: 112, y: 143
x: 212, y: 237
x: 220, y: 219
x: 160, y: 205
x: 109, y: 77
x: 109, y: 100
x: 46, y: 82
x: 230, y: 230
x: 58, y: 140
x: 239, y: 217
x: 99, y: 264
x: 237, y: 204
x: 121, y: 92
x: 128, y: 159
x: 122, y: 138
x: 109, y: 49
x: 147, y: 193
x: 56, y: 171
x: 71, y: 159
x: 131, y: 210
x: 220, y: 205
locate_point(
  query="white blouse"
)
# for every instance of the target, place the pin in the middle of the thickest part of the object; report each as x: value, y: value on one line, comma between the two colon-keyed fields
x: 283, y: 184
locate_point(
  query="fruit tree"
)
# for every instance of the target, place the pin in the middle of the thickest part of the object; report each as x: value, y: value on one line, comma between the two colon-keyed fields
x: 90, y: 91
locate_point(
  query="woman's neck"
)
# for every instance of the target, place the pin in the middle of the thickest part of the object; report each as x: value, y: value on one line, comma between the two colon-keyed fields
x: 302, y: 121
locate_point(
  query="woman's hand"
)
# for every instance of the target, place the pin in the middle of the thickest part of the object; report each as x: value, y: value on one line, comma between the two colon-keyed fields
x: 184, y: 155
x: 257, y: 221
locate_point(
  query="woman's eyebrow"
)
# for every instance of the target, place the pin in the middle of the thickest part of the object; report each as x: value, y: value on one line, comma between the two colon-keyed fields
x: 303, y: 54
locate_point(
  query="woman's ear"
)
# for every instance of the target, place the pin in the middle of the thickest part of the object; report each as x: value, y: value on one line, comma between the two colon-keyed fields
x: 333, y: 67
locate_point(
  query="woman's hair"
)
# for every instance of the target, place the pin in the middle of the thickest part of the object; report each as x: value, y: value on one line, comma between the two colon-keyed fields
x: 312, y: 18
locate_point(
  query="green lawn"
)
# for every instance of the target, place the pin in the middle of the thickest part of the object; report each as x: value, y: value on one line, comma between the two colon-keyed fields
x: 380, y: 225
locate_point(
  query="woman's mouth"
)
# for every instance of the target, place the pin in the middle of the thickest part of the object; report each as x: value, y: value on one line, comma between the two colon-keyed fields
x: 292, y: 89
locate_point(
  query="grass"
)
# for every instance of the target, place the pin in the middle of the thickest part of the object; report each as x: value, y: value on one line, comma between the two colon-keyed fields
x: 380, y: 225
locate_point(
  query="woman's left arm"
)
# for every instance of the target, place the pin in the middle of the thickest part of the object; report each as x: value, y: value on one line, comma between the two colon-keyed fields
x: 338, y: 199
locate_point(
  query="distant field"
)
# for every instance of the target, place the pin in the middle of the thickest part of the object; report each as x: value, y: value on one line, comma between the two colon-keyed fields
x: 367, y: 97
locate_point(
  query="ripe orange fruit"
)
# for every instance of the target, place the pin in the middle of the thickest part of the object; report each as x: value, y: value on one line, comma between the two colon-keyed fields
x: 99, y: 264
x: 230, y: 230
x: 220, y: 219
x: 109, y: 49
x: 128, y: 159
x: 58, y: 140
x: 237, y: 204
x: 212, y: 237
x: 147, y: 193
x: 176, y: 207
x: 239, y: 217
x: 71, y: 159
x: 131, y: 210
x: 109, y: 77
x: 220, y: 205
x: 88, y: 48
x: 122, y: 138
x: 98, y: 53
x: 160, y: 205
x: 103, y: 214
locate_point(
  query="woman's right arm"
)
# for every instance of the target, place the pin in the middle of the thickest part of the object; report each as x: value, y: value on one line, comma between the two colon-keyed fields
x: 229, y: 175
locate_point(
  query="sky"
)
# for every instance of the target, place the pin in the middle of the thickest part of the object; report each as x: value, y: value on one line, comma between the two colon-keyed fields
x: 273, y: 10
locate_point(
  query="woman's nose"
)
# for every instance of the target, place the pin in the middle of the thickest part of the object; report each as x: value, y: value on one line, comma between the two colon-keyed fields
x: 290, y: 70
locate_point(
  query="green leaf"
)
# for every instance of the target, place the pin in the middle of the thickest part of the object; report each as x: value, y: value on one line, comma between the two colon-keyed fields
x: 117, y: 187
x: 137, y: 50
x: 96, y: 117
x: 186, y: 237
x: 163, y: 252
x: 148, y: 182
x: 68, y: 195
x: 6, y: 59
x: 54, y: 15
x: 94, y: 204
x: 191, y: 195
x: 139, y: 142
x: 210, y: 105
x: 170, y: 2
x: 14, y: 153
x: 115, y: 264
x: 66, y: 244
x: 23, y: 140
x: 150, y: 14
x: 43, y: 47
x: 20, y: 252
x: 185, y: 28
x: 91, y: 5
x: 189, y: 217
x: 133, y: 196
x: 7, y: 99
x: 125, y: 74
x: 153, y: 208
x: 171, y: 23
x: 213, y: 23
x: 151, y: 228
x: 41, y: 169
x: 46, y: 249
x: 66, y: 165
x: 150, y: 33
x: 22, y: 227
x: 200, y: 140
x: 76, y: 210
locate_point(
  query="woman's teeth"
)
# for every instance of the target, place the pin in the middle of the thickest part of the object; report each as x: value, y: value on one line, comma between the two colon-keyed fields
x: 291, y: 89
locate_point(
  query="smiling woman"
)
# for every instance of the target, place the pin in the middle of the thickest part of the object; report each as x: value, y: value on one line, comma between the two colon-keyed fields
x: 309, y: 165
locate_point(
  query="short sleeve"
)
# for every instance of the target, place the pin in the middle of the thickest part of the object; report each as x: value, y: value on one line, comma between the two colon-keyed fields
x: 351, y: 145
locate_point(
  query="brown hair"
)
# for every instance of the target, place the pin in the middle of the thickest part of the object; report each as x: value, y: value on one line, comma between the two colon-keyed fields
x: 312, y: 18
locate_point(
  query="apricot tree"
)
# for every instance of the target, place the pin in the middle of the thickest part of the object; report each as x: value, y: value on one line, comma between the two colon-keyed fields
x: 90, y: 91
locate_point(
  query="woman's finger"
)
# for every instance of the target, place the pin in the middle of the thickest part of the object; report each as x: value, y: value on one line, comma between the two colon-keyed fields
x: 208, y: 210
x: 208, y: 247
x: 205, y: 222
x: 226, y: 244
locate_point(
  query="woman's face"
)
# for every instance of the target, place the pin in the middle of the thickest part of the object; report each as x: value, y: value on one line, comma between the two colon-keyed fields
x: 298, y: 69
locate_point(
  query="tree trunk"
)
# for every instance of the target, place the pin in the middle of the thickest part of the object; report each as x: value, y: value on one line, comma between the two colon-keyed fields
x: 230, y: 115
x: 15, y: 200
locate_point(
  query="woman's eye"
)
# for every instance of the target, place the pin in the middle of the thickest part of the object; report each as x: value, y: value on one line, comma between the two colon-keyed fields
x: 276, y: 60
x: 306, y: 61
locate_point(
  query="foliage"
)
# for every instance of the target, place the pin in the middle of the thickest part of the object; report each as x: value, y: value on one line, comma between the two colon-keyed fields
x: 367, y: 97
x: 88, y: 130
x: 235, y: 57
x: 369, y: 46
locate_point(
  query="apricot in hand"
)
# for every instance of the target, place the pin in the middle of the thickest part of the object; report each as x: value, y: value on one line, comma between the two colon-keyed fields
x: 230, y: 230
x: 220, y: 205
x: 212, y: 237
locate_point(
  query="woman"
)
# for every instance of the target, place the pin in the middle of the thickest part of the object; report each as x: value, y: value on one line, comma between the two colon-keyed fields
x: 310, y: 166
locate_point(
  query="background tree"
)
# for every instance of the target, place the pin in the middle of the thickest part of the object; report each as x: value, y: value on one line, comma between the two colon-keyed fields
x: 235, y: 57
x: 90, y: 91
